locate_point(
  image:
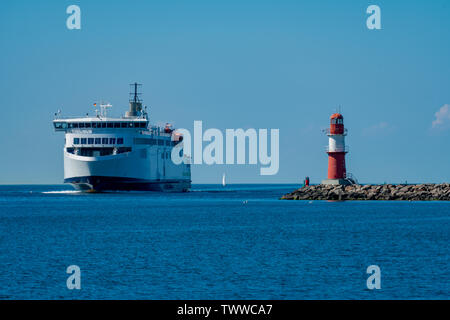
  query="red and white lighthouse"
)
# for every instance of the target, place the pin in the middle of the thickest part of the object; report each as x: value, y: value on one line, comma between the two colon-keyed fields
x: 336, y: 150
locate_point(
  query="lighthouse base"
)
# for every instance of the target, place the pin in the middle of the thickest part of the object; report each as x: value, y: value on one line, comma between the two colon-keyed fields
x: 335, y: 182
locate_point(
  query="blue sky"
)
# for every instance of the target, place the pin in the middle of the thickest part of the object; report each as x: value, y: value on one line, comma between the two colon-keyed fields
x: 235, y: 64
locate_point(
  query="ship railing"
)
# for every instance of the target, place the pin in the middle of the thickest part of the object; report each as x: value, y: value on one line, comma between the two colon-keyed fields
x: 159, y: 131
x: 97, y: 118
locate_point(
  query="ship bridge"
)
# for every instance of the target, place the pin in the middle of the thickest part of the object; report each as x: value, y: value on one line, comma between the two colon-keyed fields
x: 75, y: 124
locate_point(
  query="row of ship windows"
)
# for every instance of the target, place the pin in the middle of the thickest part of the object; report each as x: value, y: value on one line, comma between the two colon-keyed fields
x: 148, y: 141
x: 97, y: 141
x: 99, y: 152
x: 70, y: 125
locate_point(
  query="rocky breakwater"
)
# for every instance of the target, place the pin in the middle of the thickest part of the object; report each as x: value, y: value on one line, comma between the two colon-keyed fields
x: 417, y: 192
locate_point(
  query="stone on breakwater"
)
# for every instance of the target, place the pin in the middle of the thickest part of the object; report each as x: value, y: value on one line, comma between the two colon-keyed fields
x: 418, y: 192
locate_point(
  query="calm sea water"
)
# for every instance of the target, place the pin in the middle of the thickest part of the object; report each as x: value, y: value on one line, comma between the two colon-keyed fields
x: 237, y: 242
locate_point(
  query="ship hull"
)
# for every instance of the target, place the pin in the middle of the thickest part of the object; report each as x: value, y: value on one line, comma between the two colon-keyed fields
x: 100, y: 184
x: 126, y: 172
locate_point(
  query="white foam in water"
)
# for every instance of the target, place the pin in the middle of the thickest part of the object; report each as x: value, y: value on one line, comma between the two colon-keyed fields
x: 62, y: 192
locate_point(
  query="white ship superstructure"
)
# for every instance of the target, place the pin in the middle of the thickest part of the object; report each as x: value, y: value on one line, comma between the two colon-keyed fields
x: 103, y: 153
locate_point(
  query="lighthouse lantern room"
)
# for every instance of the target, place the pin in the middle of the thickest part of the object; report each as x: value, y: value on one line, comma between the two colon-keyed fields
x: 336, y: 150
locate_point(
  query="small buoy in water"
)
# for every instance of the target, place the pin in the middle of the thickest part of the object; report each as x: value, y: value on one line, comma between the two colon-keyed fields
x: 310, y: 202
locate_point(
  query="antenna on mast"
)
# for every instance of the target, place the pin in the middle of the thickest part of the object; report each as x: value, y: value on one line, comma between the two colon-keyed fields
x: 103, y: 109
x: 135, y: 94
x: 135, y: 101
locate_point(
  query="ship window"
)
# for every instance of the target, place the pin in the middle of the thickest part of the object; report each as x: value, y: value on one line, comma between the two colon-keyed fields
x: 69, y: 125
x: 110, y: 125
x: 98, y: 140
x: 83, y: 140
x: 116, y: 124
x: 104, y: 140
x: 112, y: 140
x: 94, y: 124
x: 81, y: 125
x: 123, y: 124
x: 103, y: 124
x: 87, y: 125
x: 168, y: 143
x: 90, y: 140
x: 142, y: 124
x: 160, y: 142
x: 75, y: 124
x: 58, y: 125
x: 119, y: 140
x: 76, y: 140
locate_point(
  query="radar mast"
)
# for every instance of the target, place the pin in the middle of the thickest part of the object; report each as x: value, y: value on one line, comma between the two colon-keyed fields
x: 135, y: 101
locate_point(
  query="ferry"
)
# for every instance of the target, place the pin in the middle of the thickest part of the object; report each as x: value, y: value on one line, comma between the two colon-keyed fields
x: 103, y: 153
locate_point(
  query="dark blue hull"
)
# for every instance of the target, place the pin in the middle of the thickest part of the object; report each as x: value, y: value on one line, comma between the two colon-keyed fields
x: 98, y: 184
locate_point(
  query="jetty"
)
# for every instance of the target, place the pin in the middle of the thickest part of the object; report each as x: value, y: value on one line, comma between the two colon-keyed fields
x: 399, y: 192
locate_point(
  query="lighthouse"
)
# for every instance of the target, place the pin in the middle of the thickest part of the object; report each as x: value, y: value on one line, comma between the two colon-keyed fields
x: 336, y: 150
